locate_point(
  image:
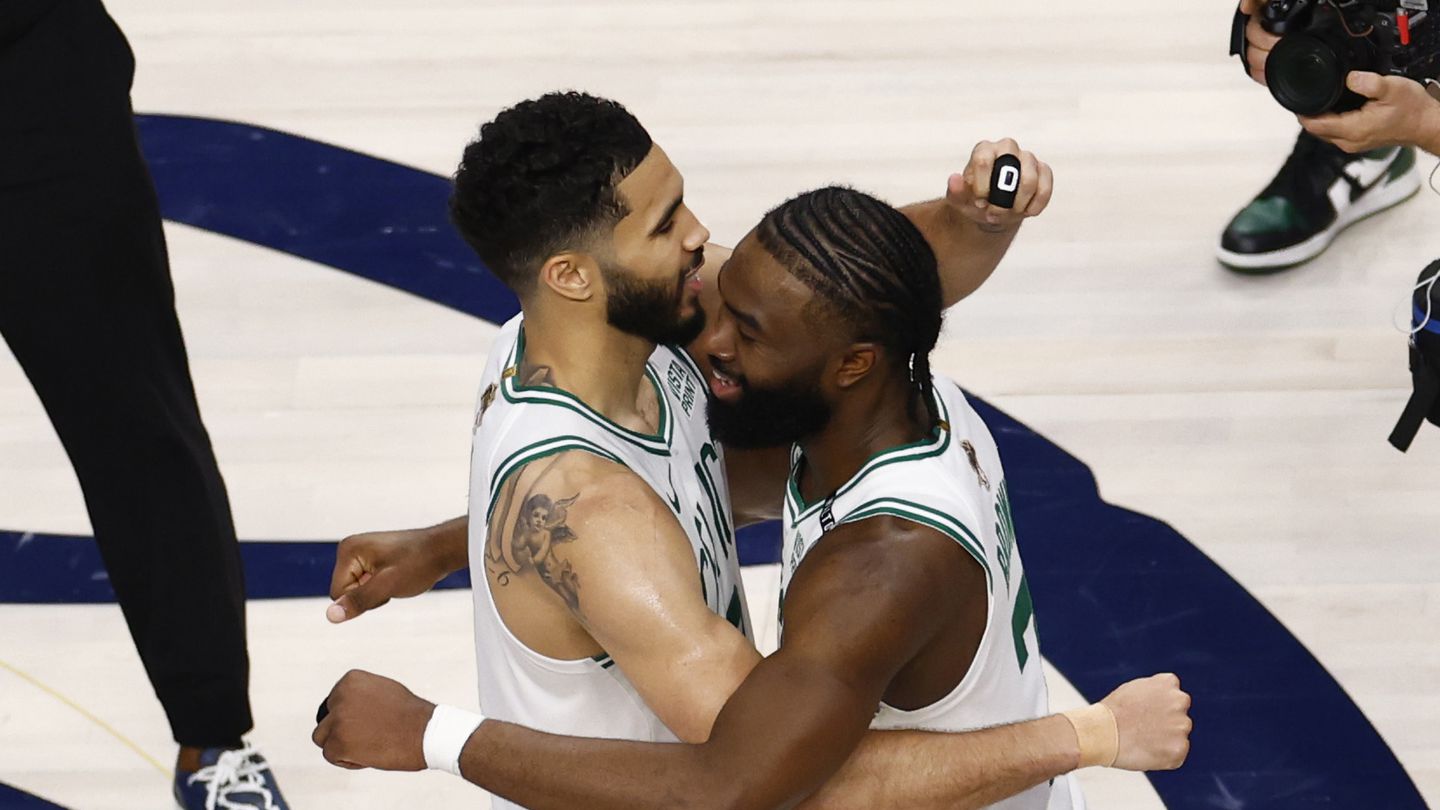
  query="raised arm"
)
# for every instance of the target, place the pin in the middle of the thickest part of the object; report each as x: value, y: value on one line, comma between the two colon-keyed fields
x: 970, y: 236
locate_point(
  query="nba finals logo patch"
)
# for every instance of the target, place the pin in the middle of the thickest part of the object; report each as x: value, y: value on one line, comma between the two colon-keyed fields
x: 975, y: 463
x: 486, y: 400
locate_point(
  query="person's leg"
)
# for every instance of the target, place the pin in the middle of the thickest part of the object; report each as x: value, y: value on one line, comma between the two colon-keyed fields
x: 87, y: 307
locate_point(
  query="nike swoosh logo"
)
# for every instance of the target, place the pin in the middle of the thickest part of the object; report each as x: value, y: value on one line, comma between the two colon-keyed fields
x: 1367, y: 173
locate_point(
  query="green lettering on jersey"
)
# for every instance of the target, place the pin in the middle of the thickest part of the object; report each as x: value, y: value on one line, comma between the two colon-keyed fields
x: 1020, y: 621
x: 1004, y: 531
x: 734, y: 614
x: 709, y: 571
x: 780, y: 612
x: 1005, y: 554
x: 708, y: 455
x: 717, y: 539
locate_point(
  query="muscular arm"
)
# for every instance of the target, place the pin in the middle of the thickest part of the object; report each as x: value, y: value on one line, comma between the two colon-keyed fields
x: 968, y: 235
x: 788, y: 727
x: 615, y: 560
x: 966, y: 253
x: 981, y: 768
x: 798, y: 717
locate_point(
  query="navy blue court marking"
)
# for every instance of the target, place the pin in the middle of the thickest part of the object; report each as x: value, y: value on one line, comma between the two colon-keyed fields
x: 67, y: 569
x: 353, y: 212
x: 16, y: 799
x: 1118, y: 594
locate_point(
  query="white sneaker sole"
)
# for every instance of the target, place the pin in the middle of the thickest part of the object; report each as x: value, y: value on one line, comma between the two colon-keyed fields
x: 1391, y: 193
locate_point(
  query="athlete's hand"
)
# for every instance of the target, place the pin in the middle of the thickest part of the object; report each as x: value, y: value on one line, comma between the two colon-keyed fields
x: 969, y: 191
x: 1261, y: 41
x: 1398, y: 111
x: 375, y: 567
x: 374, y: 722
x: 1153, y: 715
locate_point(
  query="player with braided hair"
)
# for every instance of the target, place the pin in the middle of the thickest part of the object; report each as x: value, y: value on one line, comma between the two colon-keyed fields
x: 871, y: 270
x: 600, y: 492
x: 904, y: 507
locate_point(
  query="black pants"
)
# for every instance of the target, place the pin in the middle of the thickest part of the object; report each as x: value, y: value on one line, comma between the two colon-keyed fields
x: 87, y: 306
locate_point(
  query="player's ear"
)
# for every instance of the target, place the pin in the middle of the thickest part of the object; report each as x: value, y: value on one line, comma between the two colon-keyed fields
x: 574, y: 276
x: 856, y: 364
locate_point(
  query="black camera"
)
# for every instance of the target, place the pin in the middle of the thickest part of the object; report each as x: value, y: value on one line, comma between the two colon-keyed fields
x: 1424, y: 359
x: 1321, y: 41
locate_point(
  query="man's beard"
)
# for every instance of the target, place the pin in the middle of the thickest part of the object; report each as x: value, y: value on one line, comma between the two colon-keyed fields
x: 768, y: 417
x: 650, y: 309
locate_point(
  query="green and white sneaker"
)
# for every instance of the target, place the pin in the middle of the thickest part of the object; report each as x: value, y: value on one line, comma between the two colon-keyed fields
x: 1319, y: 192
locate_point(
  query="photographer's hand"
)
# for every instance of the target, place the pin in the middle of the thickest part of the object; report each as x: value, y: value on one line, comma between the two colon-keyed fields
x: 1399, y: 111
x: 1259, y: 40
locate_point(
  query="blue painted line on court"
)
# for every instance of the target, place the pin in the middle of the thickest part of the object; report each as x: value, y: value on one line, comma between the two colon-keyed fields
x: 12, y: 798
x: 67, y: 569
x: 357, y: 213
x: 1118, y: 594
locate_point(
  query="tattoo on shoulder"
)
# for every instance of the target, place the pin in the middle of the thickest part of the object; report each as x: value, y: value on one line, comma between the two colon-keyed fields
x: 529, y: 543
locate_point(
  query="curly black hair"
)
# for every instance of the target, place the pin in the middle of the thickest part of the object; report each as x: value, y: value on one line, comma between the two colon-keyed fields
x: 541, y: 178
x: 868, y: 264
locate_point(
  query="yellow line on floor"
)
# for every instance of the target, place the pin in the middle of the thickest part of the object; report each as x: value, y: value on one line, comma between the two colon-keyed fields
x: 111, y: 730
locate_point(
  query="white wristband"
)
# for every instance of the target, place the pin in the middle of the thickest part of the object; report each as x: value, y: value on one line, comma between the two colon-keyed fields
x: 445, y: 737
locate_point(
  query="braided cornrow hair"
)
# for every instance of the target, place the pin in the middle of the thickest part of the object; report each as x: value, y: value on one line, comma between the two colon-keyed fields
x: 872, y: 266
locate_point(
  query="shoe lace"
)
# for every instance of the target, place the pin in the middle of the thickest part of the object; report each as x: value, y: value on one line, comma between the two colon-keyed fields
x: 1298, y: 177
x: 236, y: 771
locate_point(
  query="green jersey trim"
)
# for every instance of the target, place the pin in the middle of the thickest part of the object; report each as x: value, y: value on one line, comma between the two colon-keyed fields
x: 534, y: 452
x: 513, y: 391
x: 712, y: 494
x: 933, y: 445
x: 926, y: 516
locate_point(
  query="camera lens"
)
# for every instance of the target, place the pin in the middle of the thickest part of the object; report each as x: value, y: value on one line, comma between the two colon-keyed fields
x: 1305, y: 74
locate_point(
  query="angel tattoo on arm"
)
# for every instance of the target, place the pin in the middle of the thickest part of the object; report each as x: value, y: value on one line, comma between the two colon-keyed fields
x: 539, y: 527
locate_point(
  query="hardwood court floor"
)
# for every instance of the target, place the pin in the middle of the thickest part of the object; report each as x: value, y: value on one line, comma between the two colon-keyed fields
x: 1248, y: 413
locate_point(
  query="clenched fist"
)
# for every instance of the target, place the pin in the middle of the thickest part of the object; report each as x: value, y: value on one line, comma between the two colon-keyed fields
x: 373, y: 722
x: 969, y: 190
x: 375, y: 567
x: 1153, y: 716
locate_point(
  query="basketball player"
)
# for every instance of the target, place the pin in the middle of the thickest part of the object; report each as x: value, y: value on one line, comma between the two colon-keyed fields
x: 590, y: 444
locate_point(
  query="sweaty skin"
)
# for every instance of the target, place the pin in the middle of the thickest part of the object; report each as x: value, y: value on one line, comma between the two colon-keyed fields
x: 842, y: 617
x: 632, y: 602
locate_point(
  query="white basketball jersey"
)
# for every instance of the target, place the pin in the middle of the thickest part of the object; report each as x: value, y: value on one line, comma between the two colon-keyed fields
x: 516, y: 425
x: 952, y: 482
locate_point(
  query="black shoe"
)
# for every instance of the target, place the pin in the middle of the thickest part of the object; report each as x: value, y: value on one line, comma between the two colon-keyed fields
x: 1319, y: 192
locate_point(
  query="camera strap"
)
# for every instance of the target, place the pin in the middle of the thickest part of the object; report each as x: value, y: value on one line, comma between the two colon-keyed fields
x: 1238, y: 44
x: 1422, y: 400
x: 1425, y: 371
